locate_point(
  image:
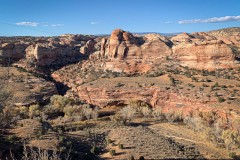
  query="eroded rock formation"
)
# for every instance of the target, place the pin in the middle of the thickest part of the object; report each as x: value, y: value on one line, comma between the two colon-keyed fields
x: 197, y: 50
x: 123, y: 45
x: 12, y: 51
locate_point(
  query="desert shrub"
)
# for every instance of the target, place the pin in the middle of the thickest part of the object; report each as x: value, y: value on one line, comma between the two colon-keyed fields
x: 40, y: 154
x: 127, y: 113
x: 157, y: 113
x: 230, y: 138
x: 108, y: 141
x: 135, y: 104
x: 58, y: 102
x: 233, y: 155
x: 78, y: 112
x: 23, y: 111
x: 4, y: 96
x: 173, y: 81
x: 72, y: 110
x: 216, y: 84
x: 224, y: 86
x: 194, y: 79
x: 8, y: 116
x: 196, y: 123
x: 217, y: 129
x: 95, y: 149
x: 119, y: 84
x: 174, y: 116
x: 49, y: 109
x: 34, y: 111
x: 146, y: 111
x: 120, y: 146
x: 112, y: 152
x: 205, y: 85
x: 95, y: 113
x: 61, y: 138
x: 220, y: 99
x: 169, y: 116
x: 12, y: 138
x: 87, y: 111
x: 117, y: 119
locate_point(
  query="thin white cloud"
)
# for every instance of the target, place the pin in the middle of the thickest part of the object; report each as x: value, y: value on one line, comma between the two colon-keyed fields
x: 93, y: 23
x: 32, y: 24
x: 35, y: 24
x: 211, y: 20
x: 168, y: 22
x: 56, y: 25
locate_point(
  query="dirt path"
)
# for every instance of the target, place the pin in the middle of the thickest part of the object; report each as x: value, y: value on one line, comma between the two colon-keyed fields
x: 142, y: 141
x: 187, y: 136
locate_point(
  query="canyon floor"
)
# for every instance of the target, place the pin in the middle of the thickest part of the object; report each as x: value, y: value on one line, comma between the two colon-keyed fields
x: 150, y: 137
x: 140, y: 138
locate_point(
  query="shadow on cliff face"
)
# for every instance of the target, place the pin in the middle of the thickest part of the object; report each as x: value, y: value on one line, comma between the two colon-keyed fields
x: 236, y: 52
x: 61, y: 88
x: 61, y: 62
x: 6, y: 61
x: 46, y: 71
x: 237, y: 59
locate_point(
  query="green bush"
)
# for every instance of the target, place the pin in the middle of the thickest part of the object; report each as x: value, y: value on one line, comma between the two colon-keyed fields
x: 216, y: 84
x: 95, y: 149
x: 120, y: 146
x: 220, y: 99
x: 112, y: 152
x: 232, y: 155
x: 108, y: 141
x: 34, y: 111
x: 61, y: 138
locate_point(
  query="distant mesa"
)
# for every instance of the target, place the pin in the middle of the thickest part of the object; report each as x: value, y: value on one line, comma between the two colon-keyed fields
x: 202, y: 50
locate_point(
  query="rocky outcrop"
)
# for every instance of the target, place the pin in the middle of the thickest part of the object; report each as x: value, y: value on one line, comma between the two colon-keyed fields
x: 197, y: 50
x: 207, y: 55
x: 12, y: 51
x: 202, y: 51
x: 48, y: 54
x: 120, y: 45
x: 226, y: 32
x: 88, y: 48
x: 155, y: 46
x: 123, y: 51
x: 60, y: 50
x: 123, y: 45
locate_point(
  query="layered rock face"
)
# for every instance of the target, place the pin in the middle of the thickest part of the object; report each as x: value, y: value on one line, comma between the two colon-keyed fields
x: 120, y: 45
x: 61, y: 50
x: 202, y: 51
x: 197, y: 50
x: 47, y: 54
x: 44, y: 51
x: 123, y: 45
x: 12, y: 51
x: 125, y: 52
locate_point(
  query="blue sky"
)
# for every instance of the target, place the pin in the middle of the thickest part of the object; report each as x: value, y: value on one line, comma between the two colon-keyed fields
x: 56, y: 17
